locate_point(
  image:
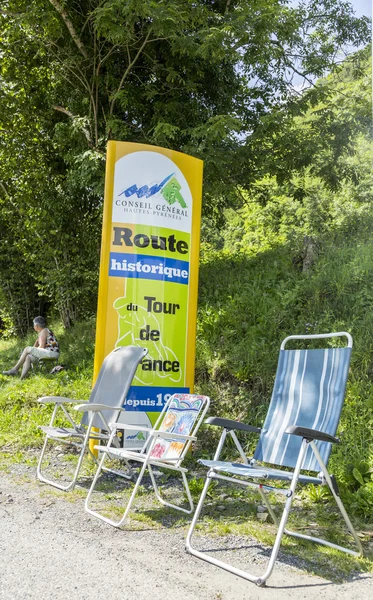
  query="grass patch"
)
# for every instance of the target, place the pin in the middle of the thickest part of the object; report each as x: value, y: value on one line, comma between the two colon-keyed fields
x: 20, y: 413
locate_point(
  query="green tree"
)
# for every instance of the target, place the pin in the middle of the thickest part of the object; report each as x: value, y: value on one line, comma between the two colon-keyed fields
x: 195, y: 76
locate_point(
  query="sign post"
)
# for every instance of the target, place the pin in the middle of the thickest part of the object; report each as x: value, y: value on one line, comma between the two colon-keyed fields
x: 149, y: 271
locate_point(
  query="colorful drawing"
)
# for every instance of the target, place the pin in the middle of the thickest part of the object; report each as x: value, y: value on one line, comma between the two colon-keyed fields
x: 159, y: 450
x: 169, y: 422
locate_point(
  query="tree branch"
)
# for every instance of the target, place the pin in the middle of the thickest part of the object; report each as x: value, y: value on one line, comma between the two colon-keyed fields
x: 289, y: 64
x: 128, y: 69
x: 60, y: 9
x: 4, y: 189
x: 73, y: 117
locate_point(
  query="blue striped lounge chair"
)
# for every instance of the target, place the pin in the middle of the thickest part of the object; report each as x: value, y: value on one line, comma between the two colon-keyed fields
x: 294, y: 443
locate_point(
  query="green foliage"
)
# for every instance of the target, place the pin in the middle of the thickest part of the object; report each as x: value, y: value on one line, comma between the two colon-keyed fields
x: 201, y: 77
x: 362, y: 501
x: 296, y: 259
x: 317, y: 493
x: 288, y: 178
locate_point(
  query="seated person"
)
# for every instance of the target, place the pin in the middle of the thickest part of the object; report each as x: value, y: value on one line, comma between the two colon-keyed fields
x: 46, y: 346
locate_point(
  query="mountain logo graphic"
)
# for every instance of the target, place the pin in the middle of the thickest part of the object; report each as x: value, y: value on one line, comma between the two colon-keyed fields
x: 139, y: 436
x: 169, y: 189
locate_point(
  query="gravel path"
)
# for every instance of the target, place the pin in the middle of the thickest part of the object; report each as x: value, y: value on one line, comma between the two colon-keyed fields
x: 51, y: 549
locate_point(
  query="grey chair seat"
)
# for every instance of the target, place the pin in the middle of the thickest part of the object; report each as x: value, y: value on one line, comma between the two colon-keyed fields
x: 62, y: 432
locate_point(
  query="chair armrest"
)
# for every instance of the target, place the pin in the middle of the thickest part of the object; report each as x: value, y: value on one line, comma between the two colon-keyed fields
x: 172, y: 436
x: 96, y: 407
x: 156, y: 433
x: 311, y: 434
x: 58, y: 400
x: 133, y: 427
x: 229, y: 424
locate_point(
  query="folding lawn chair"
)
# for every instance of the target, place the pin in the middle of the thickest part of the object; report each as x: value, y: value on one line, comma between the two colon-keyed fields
x: 299, y: 429
x: 43, y: 364
x: 165, y: 447
x: 105, y: 405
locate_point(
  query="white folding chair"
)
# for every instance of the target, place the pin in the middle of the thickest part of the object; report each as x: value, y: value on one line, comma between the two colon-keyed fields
x: 165, y: 447
x: 105, y: 405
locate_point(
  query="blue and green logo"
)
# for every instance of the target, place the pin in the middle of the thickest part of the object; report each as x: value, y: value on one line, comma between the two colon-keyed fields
x: 169, y: 189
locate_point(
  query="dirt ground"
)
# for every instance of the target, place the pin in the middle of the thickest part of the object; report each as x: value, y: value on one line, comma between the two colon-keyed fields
x: 50, y: 548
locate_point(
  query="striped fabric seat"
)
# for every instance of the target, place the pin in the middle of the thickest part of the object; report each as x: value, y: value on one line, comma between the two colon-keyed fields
x: 308, y: 391
x: 256, y: 472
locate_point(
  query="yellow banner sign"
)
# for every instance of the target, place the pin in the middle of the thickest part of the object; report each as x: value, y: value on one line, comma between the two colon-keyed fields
x: 149, y: 269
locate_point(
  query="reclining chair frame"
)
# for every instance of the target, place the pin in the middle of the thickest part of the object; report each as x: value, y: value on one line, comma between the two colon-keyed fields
x: 309, y: 437
x: 148, y: 461
x: 79, y: 435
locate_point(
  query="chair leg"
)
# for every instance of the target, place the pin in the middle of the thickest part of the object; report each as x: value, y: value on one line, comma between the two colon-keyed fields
x: 269, y: 506
x: 335, y: 493
x: 82, y: 445
x: 203, y: 555
x: 259, y: 580
x: 65, y: 488
x: 348, y: 524
x: 162, y: 501
x: 193, y: 524
x: 129, y: 504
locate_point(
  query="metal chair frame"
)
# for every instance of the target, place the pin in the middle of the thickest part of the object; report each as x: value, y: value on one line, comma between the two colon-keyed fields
x: 148, y: 461
x: 250, y: 469
x: 94, y: 424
